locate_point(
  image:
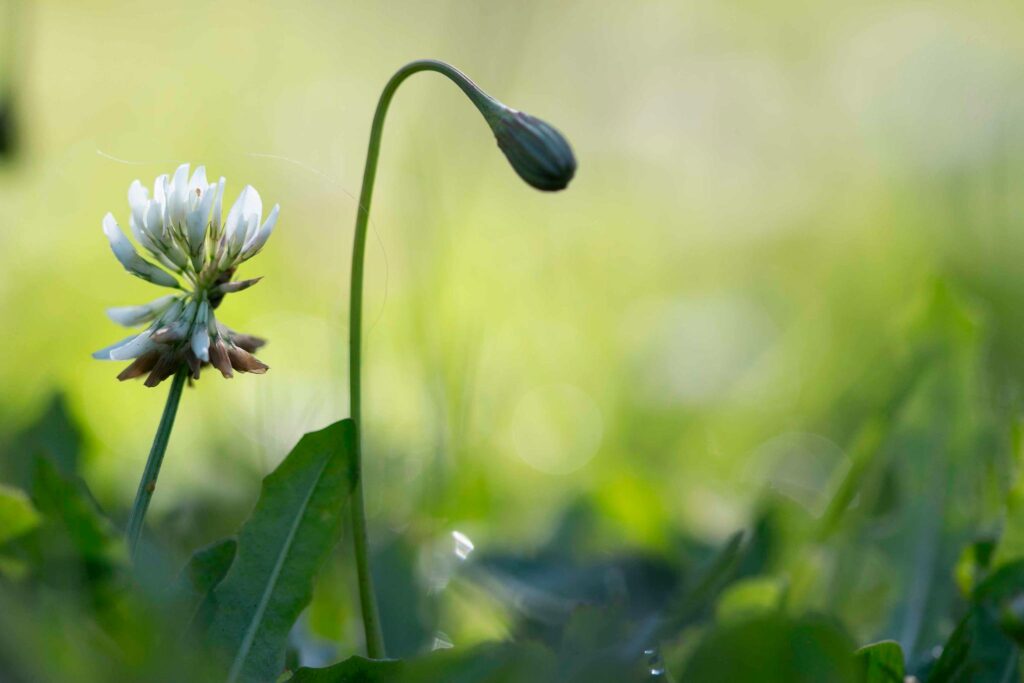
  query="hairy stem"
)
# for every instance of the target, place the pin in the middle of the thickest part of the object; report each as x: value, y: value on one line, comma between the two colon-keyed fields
x: 367, y: 597
x: 156, y: 457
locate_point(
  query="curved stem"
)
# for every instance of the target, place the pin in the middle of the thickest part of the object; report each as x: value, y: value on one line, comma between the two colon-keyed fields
x: 156, y: 457
x: 367, y: 597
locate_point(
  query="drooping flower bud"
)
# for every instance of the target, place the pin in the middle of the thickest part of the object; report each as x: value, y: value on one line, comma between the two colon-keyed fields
x: 537, y: 151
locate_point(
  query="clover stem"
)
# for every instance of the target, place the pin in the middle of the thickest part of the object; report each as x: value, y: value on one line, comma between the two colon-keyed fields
x: 156, y: 457
x: 367, y: 597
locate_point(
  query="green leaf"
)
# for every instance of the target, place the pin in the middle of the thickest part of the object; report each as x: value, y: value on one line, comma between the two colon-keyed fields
x: 17, y: 514
x: 881, y: 662
x: 773, y: 649
x: 205, y: 570
x: 352, y: 670
x: 293, y: 527
x: 977, y: 652
x: 982, y: 648
x: 68, y: 506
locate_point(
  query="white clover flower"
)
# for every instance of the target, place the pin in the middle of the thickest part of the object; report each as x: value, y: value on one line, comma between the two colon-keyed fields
x: 180, y: 227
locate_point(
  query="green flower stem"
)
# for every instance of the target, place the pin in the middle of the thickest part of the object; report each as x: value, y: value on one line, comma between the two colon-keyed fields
x: 367, y: 597
x: 156, y: 457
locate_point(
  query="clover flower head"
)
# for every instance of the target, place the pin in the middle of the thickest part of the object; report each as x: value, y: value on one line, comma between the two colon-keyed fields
x: 194, y: 252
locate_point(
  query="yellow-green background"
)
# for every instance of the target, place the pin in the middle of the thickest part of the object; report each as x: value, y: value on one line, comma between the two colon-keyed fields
x: 768, y: 195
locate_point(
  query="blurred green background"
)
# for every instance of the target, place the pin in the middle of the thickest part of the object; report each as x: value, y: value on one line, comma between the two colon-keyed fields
x: 792, y: 252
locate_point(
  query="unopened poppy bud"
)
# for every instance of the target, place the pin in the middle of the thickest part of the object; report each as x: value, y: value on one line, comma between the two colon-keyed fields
x: 537, y: 151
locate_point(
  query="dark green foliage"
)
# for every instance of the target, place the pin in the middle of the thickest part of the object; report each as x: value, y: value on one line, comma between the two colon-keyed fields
x: 905, y: 545
x: 982, y: 647
x: 55, y: 435
x: 75, y: 548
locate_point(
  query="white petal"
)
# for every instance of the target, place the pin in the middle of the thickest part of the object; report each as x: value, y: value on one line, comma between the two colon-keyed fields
x: 198, y: 181
x: 123, y: 249
x: 104, y: 353
x: 155, y: 220
x: 130, y: 316
x: 200, y: 334
x: 235, y: 219
x: 199, y: 219
x: 130, y: 259
x: 137, y: 228
x: 160, y: 189
x: 157, y: 276
x: 206, y: 201
x: 201, y: 344
x: 217, y: 208
x: 252, y: 226
x: 253, y: 204
x: 172, y: 313
x: 178, y: 195
x: 196, y: 233
x: 260, y: 238
x: 138, y: 199
x: 139, y: 345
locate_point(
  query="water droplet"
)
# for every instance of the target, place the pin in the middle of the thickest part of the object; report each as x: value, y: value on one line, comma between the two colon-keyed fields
x: 655, y: 665
x: 463, y: 546
x: 442, y: 642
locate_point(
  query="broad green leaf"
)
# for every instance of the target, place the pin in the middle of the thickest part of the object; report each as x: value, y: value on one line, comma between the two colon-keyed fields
x: 281, y: 546
x: 773, y: 649
x: 17, y: 514
x: 205, y: 570
x: 881, y: 662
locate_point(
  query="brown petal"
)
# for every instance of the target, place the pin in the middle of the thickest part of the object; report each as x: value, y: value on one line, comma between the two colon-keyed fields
x: 219, y: 358
x: 163, y: 369
x: 140, y: 366
x: 248, y: 342
x: 243, y: 361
